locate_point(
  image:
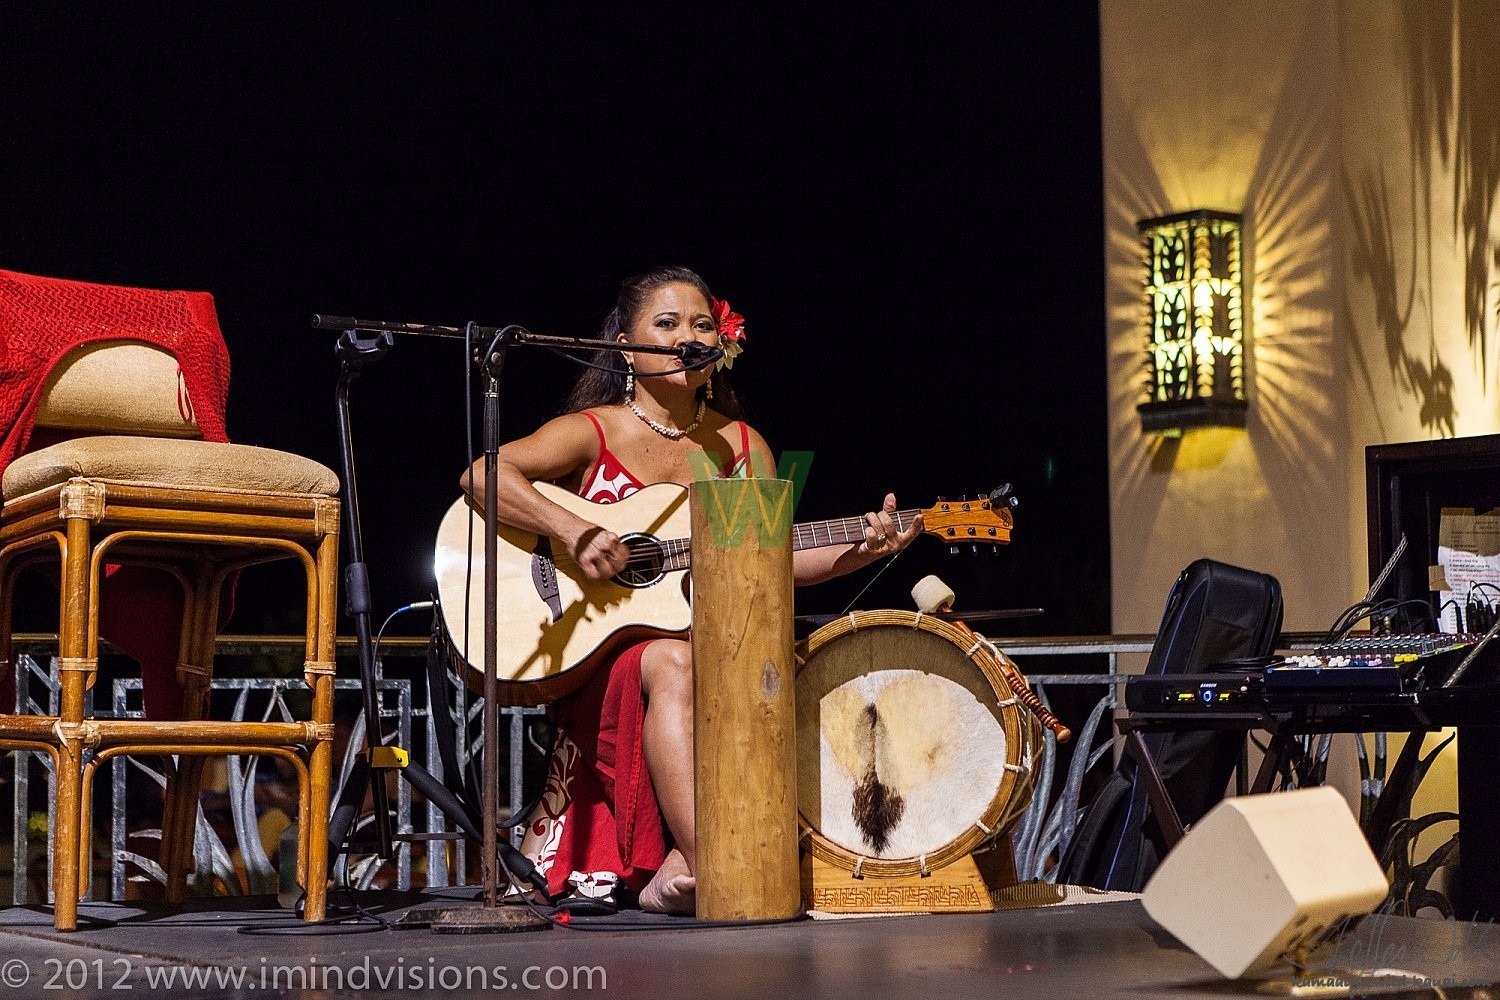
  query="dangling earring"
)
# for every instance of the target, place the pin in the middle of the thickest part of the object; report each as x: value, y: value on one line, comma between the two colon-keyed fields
x: 629, y: 380
x: 708, y: 391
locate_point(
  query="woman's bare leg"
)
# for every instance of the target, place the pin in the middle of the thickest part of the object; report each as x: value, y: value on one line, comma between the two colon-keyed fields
x: 667, y: 741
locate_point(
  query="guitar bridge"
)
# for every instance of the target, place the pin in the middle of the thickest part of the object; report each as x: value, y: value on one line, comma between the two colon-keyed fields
x: 544, y: 576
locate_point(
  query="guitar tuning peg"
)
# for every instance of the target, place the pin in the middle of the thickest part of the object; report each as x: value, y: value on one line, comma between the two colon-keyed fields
x: 941, y: 499
x: 1000, y: 492
x: 995, y: 551
x: 1012, y: 502
x: 953, y: 550
x: 976, y: 549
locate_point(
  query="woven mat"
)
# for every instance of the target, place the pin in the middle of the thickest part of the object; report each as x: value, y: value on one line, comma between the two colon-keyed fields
x: 1023, y: 896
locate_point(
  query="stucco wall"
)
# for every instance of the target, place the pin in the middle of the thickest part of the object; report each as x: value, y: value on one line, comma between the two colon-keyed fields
x: 1231, y: 106
x: 1361, y: 140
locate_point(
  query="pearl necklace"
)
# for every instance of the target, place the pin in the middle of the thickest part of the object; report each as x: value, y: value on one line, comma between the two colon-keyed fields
x: 669, y: 432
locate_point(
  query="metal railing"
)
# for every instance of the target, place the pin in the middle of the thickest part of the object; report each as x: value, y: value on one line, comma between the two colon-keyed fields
x: 37, y: 692
x: 1112, y: 647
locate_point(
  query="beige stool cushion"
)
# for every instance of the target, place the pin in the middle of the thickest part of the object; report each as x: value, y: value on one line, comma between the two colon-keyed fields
x: 118, y: 387
x: 173, y: 464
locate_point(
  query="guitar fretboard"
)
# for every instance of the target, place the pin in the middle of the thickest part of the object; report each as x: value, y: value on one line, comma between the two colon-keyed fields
x: 677, y: 552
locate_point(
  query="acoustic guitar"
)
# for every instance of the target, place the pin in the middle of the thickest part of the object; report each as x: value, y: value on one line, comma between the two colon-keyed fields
x: 554, y: 620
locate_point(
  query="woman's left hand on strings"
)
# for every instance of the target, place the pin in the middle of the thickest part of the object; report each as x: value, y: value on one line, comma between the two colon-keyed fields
x: 882, y: 534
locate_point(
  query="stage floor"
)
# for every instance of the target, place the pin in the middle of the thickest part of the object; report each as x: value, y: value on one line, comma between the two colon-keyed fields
x: 1095, y: 950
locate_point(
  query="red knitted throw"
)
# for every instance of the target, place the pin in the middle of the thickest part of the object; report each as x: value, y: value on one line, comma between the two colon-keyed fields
x: 42, y: 319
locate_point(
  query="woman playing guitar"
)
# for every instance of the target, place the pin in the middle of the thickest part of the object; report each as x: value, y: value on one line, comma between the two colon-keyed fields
x: 626, y: 427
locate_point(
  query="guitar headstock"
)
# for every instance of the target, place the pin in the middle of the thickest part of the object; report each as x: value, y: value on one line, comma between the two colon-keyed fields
x: 986, y: 518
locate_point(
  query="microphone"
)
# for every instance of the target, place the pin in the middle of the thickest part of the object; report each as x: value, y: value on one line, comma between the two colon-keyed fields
x: 696, y: 355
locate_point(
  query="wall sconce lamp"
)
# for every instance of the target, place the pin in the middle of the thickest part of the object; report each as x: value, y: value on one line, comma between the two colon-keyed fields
x: 1195, y: 332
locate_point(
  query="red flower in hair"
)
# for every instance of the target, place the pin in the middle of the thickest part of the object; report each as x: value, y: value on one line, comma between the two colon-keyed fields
x: 731, y: 331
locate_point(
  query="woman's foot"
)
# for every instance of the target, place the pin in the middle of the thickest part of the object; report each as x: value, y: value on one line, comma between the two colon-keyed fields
x: 672, y: 889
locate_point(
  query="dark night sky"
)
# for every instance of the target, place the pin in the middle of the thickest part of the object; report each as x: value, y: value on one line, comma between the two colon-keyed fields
x: 904, y: 201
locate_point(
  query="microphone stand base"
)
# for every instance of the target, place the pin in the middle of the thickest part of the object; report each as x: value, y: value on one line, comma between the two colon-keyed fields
x: 488, y: 920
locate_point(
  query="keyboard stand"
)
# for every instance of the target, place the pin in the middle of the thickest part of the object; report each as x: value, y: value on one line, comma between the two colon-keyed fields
x: 1476, y: 713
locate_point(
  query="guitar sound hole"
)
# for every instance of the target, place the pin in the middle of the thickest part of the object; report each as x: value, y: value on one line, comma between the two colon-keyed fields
x: 646, y: 558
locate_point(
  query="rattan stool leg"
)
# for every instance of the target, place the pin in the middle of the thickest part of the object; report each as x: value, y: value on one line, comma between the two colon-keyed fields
x: 180, y: 813
x: 65, y: 838
x: 73, y: 631
x: 86, y: 826
x: 180, y: 832
x: 321, y: 618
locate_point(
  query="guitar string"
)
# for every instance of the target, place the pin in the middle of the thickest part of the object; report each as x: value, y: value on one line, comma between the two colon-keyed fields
x: 644, y: 552
x: 660, y: 555
x: 651, y: 552
x: 846, y: 527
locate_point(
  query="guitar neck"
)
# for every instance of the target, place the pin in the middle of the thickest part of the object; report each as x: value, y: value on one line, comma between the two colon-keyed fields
x: 842, y: 530
x: 812, y: 535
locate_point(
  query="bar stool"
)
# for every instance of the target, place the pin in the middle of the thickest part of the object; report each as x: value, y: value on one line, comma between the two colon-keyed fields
x: 199, y: 510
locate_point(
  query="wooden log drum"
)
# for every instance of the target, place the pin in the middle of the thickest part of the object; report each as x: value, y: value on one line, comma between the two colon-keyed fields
x: 745, y: 725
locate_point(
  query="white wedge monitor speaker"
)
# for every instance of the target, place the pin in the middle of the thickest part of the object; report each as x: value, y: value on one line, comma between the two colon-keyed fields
x: 1262, y: 875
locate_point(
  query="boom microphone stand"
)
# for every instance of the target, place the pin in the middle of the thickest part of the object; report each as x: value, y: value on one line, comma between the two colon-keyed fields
x: 354, y: 352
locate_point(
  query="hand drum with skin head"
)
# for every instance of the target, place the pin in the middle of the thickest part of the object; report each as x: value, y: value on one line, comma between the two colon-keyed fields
x: 912, y: 750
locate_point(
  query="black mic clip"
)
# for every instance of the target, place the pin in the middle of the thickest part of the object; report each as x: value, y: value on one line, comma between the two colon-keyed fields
x: 696, y: 355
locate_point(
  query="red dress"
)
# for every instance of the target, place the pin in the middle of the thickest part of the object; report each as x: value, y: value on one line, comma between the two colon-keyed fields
x: 598, y: 818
